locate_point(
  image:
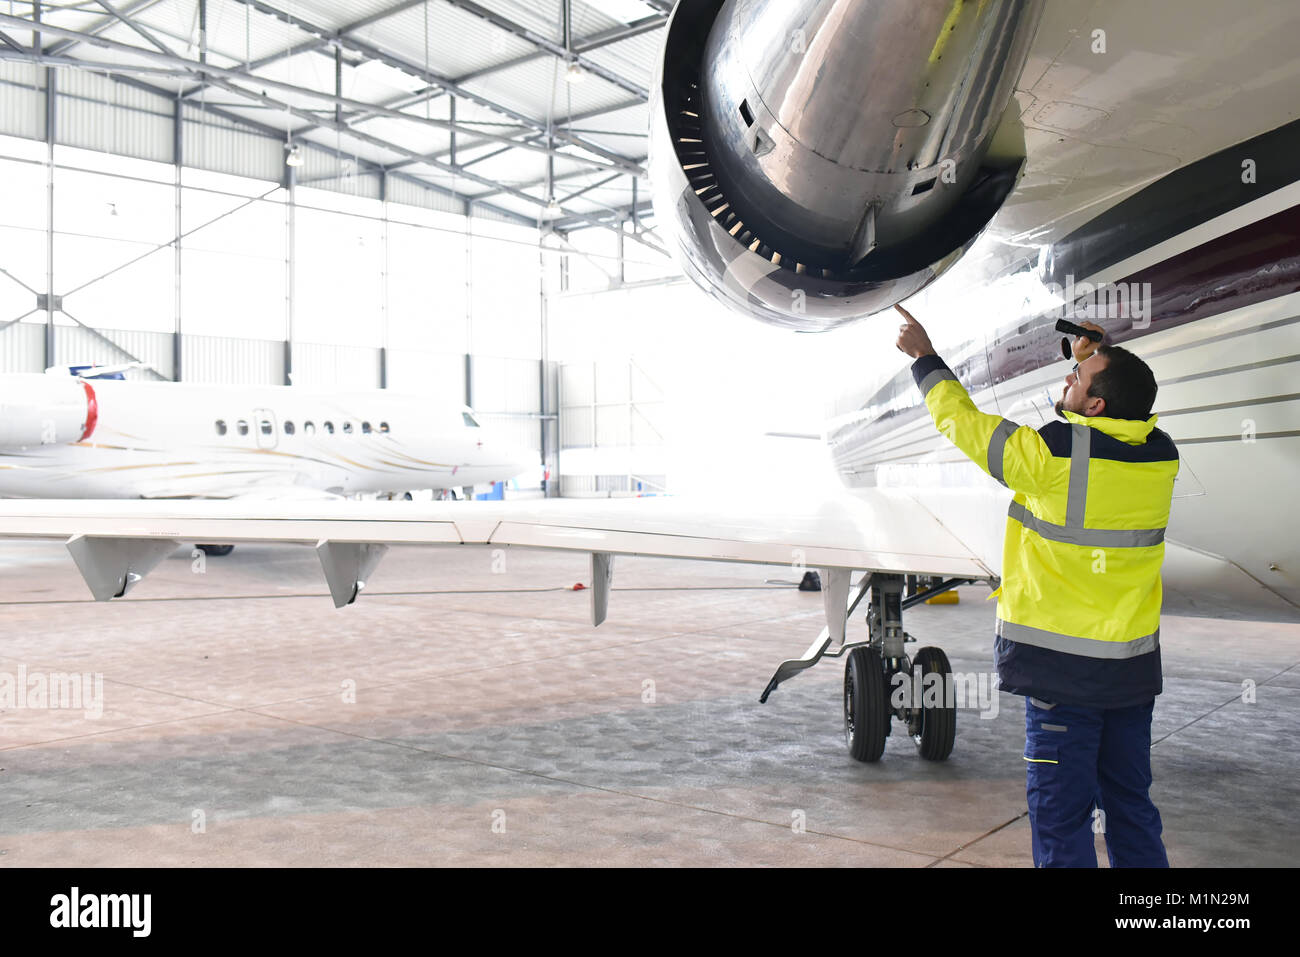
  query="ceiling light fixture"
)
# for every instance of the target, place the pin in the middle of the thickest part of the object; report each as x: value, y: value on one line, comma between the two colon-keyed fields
x: 574, y: 74
x: 294, y: 156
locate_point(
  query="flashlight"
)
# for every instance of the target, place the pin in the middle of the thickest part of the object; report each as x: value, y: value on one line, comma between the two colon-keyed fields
x: 1065, y: 325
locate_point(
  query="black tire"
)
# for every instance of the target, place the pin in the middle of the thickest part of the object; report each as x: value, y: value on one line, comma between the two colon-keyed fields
x: 216, y: 551
x: 866, y: 705
x: 938, y: 725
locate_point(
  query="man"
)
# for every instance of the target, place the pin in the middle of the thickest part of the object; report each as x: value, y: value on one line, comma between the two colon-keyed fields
x: 1078, y: 623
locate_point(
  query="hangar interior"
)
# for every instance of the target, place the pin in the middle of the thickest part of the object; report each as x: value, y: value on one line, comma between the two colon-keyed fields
x: 388, y: 194
x: 450, y: 198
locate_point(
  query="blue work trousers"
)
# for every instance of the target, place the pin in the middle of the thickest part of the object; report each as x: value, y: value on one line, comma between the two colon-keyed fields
x: 1089, y: 771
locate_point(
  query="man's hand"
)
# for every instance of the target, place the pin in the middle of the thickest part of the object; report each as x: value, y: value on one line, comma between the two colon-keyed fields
x: 912, y: 338
x: 1082, y: 346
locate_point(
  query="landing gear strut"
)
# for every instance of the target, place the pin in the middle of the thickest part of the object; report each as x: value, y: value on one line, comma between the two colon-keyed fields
x: 880, y: 681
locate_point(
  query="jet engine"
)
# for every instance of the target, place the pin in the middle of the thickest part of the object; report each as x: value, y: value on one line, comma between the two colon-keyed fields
x: 818, y: 161
x: 40, y: 409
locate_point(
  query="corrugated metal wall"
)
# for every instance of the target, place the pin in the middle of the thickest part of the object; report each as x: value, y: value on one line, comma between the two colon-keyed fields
x: 22, y: 100
x: 212, y: 143
x: 214, y: 359
x: 412, y: 194
x: 236, y: 361
x: 22, y: 348
x: 97, y: 114
x: 75, y: 346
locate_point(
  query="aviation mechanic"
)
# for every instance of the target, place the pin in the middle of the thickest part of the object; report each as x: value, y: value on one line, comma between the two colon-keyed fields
x: 1078, y: 623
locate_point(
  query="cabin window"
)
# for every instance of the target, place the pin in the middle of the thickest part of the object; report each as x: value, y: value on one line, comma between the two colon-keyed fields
x: 329, y: 428
x: 221, y: 427
x: 347, y: 428
x: 242, y: 426
x: 265, y: 426
x: 288, y: 427
x: 309, y: 427
x: 365, y: 428
x: 383, y: 427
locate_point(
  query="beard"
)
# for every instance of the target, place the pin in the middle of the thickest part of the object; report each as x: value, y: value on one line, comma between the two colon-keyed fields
x: 1060, y: 404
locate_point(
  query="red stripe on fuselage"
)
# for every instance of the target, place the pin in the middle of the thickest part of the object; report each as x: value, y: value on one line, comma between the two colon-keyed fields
x: 92, y: 411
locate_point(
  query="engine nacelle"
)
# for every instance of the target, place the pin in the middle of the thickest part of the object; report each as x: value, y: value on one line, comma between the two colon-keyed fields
x: 45, y: 410
x: 819, y: 161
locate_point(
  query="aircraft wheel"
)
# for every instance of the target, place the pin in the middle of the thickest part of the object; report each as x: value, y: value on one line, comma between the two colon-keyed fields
x: 937, y: 726
x: 866, y: 705
x: 216, y: 551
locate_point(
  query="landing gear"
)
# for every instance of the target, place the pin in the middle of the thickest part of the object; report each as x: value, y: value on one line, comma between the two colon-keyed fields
x: 933, y: 719
x: 216, y: 551
x: 866, y: 705
x: 916, y: 692
x: 880, y: 681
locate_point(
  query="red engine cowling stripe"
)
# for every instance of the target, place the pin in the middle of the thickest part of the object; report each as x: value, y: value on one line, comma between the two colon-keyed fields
x: 92, y: 411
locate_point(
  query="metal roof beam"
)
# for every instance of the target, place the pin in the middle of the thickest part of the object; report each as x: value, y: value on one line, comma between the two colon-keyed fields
x: 572, y: 174
x: 210, y: 73
x: 272, y: 132
x: 596, y: 185
x: 576, y: 118
x: 100, y: 25
x: 215, y: 77
x: 549, y: 46
x: 571, y: 215
x: 149, y: 37
x: 317, y: 43
x: 592, y: 42
x: 437, y: 79
x: 622, y: 213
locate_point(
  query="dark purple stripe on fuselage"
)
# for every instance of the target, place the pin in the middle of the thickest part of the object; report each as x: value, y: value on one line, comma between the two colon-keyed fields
x: 1249, y: 265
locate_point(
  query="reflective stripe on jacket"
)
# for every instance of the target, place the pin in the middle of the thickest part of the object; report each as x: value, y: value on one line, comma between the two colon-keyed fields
x: 1084, y: 540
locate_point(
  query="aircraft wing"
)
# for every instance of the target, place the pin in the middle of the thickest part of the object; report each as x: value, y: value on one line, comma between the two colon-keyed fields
x: 115, y: 543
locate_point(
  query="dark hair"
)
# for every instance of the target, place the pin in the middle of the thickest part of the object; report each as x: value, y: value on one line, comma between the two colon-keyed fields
x: 1126, y: 383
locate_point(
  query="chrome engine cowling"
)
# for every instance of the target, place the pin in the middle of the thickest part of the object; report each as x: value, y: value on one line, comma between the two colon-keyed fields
x: 818, y: 161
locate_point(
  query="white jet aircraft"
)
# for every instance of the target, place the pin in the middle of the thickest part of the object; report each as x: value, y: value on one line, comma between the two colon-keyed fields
x: 85, y: 436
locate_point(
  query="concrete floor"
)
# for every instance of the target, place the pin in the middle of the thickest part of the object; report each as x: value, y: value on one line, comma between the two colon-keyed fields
x: 492, y: 726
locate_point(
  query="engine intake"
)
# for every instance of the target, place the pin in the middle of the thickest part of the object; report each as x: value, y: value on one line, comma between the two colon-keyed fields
x: 817, y: 162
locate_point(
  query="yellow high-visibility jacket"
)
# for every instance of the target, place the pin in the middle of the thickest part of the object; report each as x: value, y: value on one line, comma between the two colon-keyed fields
x: 1079, y: 607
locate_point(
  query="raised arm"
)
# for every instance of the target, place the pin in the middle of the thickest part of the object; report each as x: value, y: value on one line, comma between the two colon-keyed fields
x: 1015, y: 455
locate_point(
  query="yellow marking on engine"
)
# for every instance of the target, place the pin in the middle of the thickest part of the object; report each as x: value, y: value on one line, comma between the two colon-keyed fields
x: 949, y: 25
